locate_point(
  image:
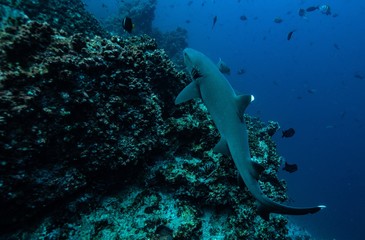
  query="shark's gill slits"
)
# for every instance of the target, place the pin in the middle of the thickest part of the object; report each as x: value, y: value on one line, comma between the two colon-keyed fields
x: 195, y: 74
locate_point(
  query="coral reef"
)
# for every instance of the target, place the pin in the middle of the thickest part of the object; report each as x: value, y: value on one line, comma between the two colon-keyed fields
x: 92, y: 145
x: 11, y: 16
x: 298, y: 233
x: 67, y: 15
x: 82, y: 107
x: 142, y: 13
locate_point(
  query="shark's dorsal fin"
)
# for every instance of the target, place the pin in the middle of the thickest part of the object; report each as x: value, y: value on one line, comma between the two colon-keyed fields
x: 242, y: 101
x: 191, y: 91
x: 222, y: 147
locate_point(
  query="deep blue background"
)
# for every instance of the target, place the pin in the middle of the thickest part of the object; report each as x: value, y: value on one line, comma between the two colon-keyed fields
x: 306, y: 83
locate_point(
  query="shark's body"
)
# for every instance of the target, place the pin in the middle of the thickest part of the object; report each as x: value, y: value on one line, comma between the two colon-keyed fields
x: 226, y: 110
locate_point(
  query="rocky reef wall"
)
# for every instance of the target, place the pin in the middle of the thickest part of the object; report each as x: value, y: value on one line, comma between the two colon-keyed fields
x: 92, y: 145
x: 67, y: 15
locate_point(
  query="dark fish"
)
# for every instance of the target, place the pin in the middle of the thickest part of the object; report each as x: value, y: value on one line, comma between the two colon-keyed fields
x: 214, y: 21
x: 223, y: 67
x: 278, y: 20
x: 358, y: 76
x: 290, y: 34
x: 311, y: 9
x: 336, y: 46
x: 127, y: 24
x: 301, y: 12
x: 290, y: 168
x: 243, y: 18
x: 288, y: 133
x: 311, y: 90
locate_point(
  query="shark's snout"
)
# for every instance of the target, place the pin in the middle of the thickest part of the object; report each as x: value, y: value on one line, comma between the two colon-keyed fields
x: 187, y: 59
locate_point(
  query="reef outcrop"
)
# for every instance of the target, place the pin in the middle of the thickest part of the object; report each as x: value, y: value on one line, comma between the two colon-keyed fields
x: 66, y: 15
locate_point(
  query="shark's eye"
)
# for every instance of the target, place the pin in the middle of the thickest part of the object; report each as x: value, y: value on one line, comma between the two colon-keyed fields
x: 195, y: 73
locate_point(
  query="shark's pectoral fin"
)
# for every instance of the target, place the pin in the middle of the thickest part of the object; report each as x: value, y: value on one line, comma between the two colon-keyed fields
x: 242, y: 101
x: 191, y: 91
x: 222, y: 147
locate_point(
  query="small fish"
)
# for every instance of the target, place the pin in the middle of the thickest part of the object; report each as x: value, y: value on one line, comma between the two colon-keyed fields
x: 336, y: 46
x: 127, y: 24
x: 311, y: 9
x: 301, y: 12
x: 288, y: 133
x: 358, y: 76
x: 241, y: 71
x: 223, y: 68
x: 214, y: 21
x: 325, y: 9
x: 243, y: 18
x: 278, y: 20
x: 311, y: 91
x: 290, y: 34
x: 290, y: 168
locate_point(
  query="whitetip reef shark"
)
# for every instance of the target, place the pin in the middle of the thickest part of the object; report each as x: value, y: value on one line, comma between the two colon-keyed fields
x: 227, y: 109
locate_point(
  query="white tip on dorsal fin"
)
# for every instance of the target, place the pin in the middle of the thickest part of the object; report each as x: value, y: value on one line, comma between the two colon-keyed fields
x: 242, y: 102
x: 191, y: 91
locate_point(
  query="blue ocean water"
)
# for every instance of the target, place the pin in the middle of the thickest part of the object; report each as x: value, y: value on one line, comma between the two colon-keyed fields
x: 313, y: 82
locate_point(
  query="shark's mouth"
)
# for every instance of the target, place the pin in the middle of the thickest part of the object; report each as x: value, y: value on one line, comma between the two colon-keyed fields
x: 191, y: 68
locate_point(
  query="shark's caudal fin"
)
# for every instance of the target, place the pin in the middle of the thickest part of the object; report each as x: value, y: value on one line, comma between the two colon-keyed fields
x: 265, y: 207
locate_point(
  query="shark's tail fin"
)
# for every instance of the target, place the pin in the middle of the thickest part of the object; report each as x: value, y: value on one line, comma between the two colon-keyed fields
x: 267, y: 206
